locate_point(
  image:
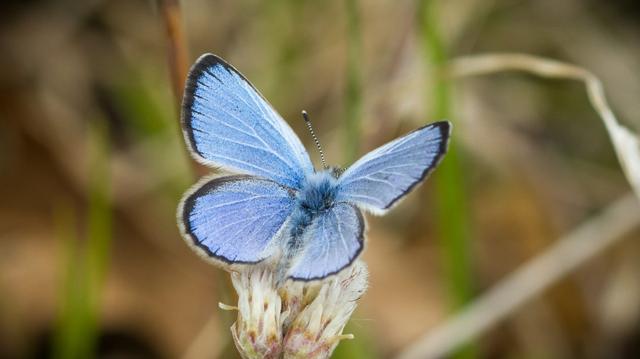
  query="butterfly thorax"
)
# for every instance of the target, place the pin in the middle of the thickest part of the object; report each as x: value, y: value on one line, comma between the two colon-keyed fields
x: 318, y: 192
x: 315, y: 196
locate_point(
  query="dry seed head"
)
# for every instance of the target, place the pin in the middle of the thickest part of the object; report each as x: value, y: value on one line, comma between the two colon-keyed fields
x: 297, y: 320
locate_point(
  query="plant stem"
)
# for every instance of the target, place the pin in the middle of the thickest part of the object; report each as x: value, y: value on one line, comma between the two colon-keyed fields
x: 77, y: 330
x: 68, y: 327
x: 177, y: 53
x: 99, y: 228
x: 353, y: 105
x: 451, y: 201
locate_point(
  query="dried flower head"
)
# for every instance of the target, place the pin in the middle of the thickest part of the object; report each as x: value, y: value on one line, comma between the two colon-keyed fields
x: 296, y: 320
x: 257, y: 333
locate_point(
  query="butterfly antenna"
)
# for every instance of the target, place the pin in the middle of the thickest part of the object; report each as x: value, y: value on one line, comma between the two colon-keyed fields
x: 315, y: 139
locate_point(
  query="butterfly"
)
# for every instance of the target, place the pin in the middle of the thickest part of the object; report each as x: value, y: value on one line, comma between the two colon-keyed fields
x: 276, y: 208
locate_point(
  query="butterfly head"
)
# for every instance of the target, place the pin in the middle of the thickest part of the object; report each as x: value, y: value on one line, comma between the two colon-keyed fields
x: 319, y: 191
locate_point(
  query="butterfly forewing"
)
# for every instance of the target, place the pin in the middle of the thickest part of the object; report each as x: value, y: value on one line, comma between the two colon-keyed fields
x: 228, y: 124
x: 234, y: 219
x: 386, y: 174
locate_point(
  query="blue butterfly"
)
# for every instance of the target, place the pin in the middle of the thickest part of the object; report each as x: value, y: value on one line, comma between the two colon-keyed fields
x: 278, y: 209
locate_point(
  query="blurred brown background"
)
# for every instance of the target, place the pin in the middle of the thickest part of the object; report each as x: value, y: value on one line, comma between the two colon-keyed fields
x: 92, y: 165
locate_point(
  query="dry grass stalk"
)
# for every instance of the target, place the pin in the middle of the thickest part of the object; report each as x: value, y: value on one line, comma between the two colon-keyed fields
x: 583, y: 243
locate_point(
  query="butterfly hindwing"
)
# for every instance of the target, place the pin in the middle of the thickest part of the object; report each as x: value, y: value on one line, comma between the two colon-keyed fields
x: 235, y: 219
x: 334, y: 240
x: 386, y: 174
x: 227, y: 123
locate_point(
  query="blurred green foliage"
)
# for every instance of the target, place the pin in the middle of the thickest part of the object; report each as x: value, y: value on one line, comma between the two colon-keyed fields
x: 362, y: 346
x: 451, y: 199
x: 332, y: 58
x: 353, y: 91
x: 85, y: 261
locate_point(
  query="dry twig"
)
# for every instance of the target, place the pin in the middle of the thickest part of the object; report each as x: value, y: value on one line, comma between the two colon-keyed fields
x: 625, y: 142
x: 530, y: 280
x: 176, y: 47
x: 568, y: 253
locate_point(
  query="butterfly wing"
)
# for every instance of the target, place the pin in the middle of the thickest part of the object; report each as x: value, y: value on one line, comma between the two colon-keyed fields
x: 227, y: 123
x: 234, y: 219
x: 386, y: 174
x: 333, y: 241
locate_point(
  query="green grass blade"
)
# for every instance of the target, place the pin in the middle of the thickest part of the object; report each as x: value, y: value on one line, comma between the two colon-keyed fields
x: 451, y: 199
x: 353, y: 95
x: 77, y: 328
x: 67, y: 334
x: 99, y: 229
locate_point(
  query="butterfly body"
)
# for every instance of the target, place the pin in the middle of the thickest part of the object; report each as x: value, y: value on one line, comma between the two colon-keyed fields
x: 316, y: 196
x: 278, y: 210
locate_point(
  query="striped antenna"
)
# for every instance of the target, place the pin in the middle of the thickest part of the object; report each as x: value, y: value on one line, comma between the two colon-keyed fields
x: 315, y: 139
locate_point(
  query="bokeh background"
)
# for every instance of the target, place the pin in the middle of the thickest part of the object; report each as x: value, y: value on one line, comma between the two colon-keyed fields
x: 92, y: 165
